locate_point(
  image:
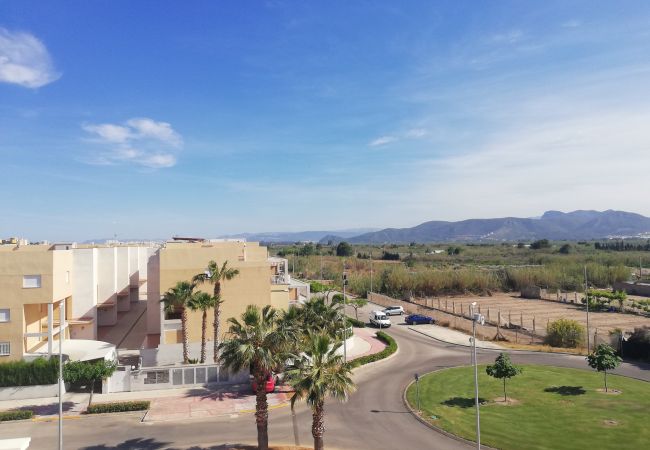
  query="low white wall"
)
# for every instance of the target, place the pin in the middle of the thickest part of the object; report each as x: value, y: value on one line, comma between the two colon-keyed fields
x: 25, y: 392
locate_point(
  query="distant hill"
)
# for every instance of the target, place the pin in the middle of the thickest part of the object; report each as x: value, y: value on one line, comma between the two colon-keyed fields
x: 287, y: 237
x: 555, y: 225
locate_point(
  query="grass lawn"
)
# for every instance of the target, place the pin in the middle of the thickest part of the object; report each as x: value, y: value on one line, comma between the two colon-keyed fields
x: 556, y: 409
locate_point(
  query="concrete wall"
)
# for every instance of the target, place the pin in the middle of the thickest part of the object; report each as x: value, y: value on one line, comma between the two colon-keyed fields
x: 27, y: 392
x: 107, y: 285
x: 154, y: 309
x: 641, y: 289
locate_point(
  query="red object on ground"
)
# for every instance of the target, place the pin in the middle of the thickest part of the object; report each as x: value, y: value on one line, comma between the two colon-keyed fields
x: 270, y: 384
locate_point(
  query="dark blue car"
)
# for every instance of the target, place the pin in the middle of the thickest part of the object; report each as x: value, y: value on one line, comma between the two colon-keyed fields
x: 415, y: 319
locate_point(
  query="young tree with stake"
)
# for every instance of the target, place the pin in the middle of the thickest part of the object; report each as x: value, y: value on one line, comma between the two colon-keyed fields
x: 503, y: 369
x: 603, y: 359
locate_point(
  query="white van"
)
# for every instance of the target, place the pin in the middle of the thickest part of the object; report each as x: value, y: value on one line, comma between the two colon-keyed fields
x: 379, y: 319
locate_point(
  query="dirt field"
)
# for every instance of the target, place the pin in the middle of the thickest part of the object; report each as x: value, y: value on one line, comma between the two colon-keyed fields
x: 522, y: 320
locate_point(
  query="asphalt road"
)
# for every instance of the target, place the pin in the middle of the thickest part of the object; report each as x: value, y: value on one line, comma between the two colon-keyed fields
x: 373, y: 418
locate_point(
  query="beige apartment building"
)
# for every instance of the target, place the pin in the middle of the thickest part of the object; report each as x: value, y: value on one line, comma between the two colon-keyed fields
x: 261, y: 282
x: 35, y: 293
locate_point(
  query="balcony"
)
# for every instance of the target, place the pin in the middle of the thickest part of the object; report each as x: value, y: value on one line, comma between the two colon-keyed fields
x: 280, y: 279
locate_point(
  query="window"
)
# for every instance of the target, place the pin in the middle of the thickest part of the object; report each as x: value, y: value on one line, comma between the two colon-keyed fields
x: 5, y: 348
x: 5, y: 315
x: 31, y: 281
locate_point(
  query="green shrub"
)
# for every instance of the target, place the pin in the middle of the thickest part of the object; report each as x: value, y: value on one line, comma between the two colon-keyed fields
x: 391, y: 347
x: 315, y: 287
x: 356, y: 323
x: 29, y: 373
x: 565, y: 333
x: 99, y: 408
x: 19, y: 414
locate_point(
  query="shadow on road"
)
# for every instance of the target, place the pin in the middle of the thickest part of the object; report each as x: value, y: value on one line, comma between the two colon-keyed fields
x: 566, y: 390
x: 132, y: 444
x: 391, y: 412
x: 462, y: 402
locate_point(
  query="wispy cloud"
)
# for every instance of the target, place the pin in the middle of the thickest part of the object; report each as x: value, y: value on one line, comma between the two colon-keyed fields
x: 383, y: 140
x: 140, y: 141
x: 415, y: 133
x: 573, y: 23
x: 24, y: 60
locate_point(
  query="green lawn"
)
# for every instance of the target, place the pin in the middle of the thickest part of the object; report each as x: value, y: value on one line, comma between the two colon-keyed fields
x: 557, y: 409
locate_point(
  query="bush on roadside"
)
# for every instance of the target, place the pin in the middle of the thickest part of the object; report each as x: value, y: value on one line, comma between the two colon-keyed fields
x: 637, y: 345
x: 391, y: 347
x: 565, y: 333
x: 29, y: 373
x: 356, y: 323
x: 99, y: 408
x: 19, y: 414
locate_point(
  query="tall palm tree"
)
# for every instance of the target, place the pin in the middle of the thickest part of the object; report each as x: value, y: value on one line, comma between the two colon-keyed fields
x: 319, y: 317
x: 215, y: 275
x: 318, y: 373
x: 257, y: 344
x: 176, y: 299
x: 202, y: 301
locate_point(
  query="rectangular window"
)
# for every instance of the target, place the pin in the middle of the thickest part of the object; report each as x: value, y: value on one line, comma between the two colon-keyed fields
x: 5, y: 348
x: 5, y: 315
x: 31, y: 281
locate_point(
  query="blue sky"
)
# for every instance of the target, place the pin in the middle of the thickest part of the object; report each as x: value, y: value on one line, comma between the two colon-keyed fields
x: 153, y: 118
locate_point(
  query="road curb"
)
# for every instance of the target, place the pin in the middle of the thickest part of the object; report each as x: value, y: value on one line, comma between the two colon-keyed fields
x: 430, y: 425
x: 410, y: 327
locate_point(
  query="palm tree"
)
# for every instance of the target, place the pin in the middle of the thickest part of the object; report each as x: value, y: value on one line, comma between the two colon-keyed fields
x: 176, y: 299
x: 202, y: 301
x: 215, y: 275
x: 257, y: 344
x: 317, y: 316
x: 318, y: 373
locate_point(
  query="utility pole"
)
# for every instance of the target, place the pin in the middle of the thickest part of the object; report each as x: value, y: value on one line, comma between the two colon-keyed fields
x: 371, y: 271
x: 587, y: 300
x: 321, y: 265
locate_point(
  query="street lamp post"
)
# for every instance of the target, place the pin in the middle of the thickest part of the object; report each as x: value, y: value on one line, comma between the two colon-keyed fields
x: 476, y: 317
x: 371, y: 271
x: 345, y: 324
x: 61, y: 336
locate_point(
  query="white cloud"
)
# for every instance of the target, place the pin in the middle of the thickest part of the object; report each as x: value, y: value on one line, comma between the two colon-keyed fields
x: 573, y: 23
x: 140, y: 141
x: 415, y: 133
x: 383, y: 140
x: 24, y: 60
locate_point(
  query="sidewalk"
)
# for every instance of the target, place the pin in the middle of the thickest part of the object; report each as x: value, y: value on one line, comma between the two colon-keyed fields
x: 451, y: 336
x: 191, y: 402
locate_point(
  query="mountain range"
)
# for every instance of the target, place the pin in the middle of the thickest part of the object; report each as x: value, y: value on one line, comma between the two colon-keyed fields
x: 554, y: 225
x: 286, y: 237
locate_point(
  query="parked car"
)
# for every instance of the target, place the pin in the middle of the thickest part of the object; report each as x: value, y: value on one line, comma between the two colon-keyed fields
x: 416, y: 319
x: 379, y: 319
x: 394, y: 311
x: 270, y: 383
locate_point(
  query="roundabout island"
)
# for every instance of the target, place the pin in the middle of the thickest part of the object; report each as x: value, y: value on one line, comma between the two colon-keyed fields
x: 547, y: 408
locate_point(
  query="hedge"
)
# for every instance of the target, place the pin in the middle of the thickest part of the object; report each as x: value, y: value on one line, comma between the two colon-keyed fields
x: 356, y: 323
x: 391, y: 347
x: 29, y: 373
x: 99, y: 408
x: 19, y: 414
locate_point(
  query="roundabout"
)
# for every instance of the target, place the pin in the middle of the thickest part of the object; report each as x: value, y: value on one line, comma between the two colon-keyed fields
x: 547, y: 408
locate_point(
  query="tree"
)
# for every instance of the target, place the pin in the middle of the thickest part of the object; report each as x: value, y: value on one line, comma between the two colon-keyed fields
x: 176, y: 299
x: 260, y: 344
x: 344, y: 249
x: 215, y: 275
x: 203, y: 301
x: 603, y: 359
x: 356, y: 304
x: 542, y: 243
x: 88, y: 373
x: 318, y: 373
x: 317, y: 315
x: 503, y: 369
x: 565, y: 249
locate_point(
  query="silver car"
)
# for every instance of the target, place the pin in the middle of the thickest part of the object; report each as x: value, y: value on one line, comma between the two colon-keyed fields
x: 394, y: 311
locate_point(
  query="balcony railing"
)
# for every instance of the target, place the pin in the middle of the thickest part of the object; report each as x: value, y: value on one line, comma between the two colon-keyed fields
x: 280, y: 279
